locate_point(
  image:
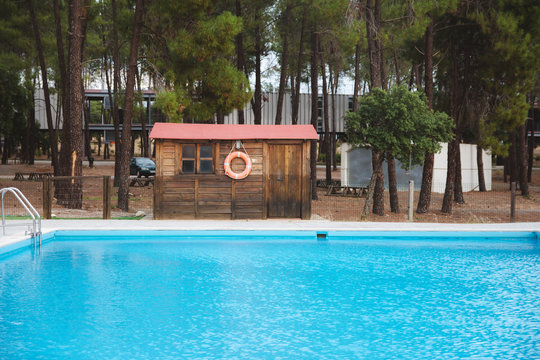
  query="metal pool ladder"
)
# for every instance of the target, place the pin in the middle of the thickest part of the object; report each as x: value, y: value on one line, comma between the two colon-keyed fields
x: 36, y: 219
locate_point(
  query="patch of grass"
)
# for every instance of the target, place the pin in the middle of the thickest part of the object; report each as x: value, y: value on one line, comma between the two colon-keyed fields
x: 128, y: 217
x: 76, y: 218
x: 92, y: 198
x: 100, y: 218
x: 18, y: 217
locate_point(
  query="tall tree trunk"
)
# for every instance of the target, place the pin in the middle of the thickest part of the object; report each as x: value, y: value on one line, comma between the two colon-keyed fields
x: 132, y: 145
x: 530, y: 147
x: 314, y: 108
x: 333, y: 88
x: 283, y: 69
x: 450, y: 178
x: 220, y: 117
x: 240, y: 62
x: 382, y: 64
x: 378, y: 195
x: 513, y: 159
x: 424, y: 199
x: 86, y: 111
x: 116, y: 99
x: 87, y: 138
x: 376, y: 164
x: 31, y: 133
x: 356, y: 77
x: 372, y: 39
x: 378, y: 205
x: 76, y: 101
x: 143, y: 117
x: 373, y: 28
x: 454, y: 145
x: 377, y: 159
x: 396, y: 66
x: 326, y: 119
x: 296, y: 97
x: 123, y: 190
x: 257, y: 101
x: 392, y: 183
x: 506, y: 168
x: 5, y: 150
x: 106, y: 152
x: 479, y: 157
x: 418, y: 76
x: 391, y: 164
x: 292, y: 77
x: 64, y: 155
x: 458, y: 187
x: 522, y: 160
x: 46, y: 94
x: 411, y: 78
x: 480, y: 165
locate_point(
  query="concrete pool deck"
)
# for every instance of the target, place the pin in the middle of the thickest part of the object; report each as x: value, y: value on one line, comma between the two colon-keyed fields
x: 17, y: 233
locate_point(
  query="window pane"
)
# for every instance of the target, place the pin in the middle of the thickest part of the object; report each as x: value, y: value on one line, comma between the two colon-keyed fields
x: 206, y: 151
x: 206, y: 166
x: 188, y: 151
x: 188, y: 166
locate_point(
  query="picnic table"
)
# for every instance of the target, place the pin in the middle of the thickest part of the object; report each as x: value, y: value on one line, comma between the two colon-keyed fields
x: 138, y: 181
x: 32, y: 175
x: 353, y: 191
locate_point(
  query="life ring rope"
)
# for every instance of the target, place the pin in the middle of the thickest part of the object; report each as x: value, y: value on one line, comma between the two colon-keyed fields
x: 237, y: 154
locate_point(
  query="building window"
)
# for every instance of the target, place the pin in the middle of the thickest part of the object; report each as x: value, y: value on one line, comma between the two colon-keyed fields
x: 206, y: 160
x: 188, y: 159
x: 197, y: 159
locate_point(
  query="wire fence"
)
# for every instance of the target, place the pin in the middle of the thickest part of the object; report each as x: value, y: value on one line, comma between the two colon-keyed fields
x: 31, y: 189
x: 84, y: 197
x: 87, y: 197
x: 492, y: 206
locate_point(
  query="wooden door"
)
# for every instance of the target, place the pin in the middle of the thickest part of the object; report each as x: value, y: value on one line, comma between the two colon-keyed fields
x: 284, y: 187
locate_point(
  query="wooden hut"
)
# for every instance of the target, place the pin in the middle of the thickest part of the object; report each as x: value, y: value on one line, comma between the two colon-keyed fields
x: 209, y: 171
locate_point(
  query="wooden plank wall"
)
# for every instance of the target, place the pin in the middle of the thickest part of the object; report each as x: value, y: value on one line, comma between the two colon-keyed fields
x: 166, y: 158
x: 208, y: 196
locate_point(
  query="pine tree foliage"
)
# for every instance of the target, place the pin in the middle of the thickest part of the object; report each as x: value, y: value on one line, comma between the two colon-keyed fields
x: 193, y: 48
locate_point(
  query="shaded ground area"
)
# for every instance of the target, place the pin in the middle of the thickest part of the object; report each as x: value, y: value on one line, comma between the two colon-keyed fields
x: 489, y: 207
x: 479, y: 207
x: 141, y: 197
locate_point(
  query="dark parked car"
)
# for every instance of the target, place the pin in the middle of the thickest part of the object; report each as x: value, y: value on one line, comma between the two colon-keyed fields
x: 142, y: 167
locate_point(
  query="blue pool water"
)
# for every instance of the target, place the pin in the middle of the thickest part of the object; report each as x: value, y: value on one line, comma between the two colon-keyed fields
x: 171, y: 296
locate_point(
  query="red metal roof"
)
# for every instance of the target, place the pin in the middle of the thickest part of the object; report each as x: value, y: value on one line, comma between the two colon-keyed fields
x: 231, y: 132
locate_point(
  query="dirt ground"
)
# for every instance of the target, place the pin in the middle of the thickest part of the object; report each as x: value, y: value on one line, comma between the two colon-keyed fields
x: 141, y: 197
x: 489, y: 207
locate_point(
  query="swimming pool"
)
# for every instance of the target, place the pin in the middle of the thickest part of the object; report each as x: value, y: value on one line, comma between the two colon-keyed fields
x: 257, y: 295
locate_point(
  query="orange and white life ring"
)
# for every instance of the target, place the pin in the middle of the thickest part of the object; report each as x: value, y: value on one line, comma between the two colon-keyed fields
x: 227, y: 165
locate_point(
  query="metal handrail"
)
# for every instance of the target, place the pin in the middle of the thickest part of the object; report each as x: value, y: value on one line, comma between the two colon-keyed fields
x: 36, y: 218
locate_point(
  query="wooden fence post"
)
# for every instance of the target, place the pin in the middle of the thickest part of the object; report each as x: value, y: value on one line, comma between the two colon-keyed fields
x: 512, y: 201
x: 47, y: 198
x: 411, y: 200
x: 106, y: 197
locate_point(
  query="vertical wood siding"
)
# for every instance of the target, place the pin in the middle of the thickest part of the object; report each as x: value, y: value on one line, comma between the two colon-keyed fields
x: 208, y: 196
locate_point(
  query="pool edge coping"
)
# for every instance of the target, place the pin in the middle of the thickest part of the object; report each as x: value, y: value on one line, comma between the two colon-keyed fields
x: 16, y: 243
